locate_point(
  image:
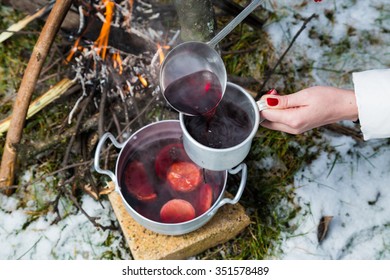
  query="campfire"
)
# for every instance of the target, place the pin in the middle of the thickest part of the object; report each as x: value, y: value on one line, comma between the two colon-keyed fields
x: 115, y: 52
x: 112, y: 63
x: 118, y: 83
x: 116, y: 72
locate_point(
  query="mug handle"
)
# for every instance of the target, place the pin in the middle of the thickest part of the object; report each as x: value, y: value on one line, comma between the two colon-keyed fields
x: 244, y: 174
x: 97, y: 156
x: 262, y: 105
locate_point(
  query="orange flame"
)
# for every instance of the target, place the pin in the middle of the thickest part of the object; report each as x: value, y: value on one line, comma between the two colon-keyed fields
x: 161, y: 52
x: 75, y: 48
x: 102, y: 41
x: 117, y: 62
x: 143, y: 81
x: 131, y: 4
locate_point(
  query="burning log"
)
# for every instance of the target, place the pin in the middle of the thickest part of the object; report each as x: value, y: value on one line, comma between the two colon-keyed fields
x: 101, y: 68
x: 127, y: 40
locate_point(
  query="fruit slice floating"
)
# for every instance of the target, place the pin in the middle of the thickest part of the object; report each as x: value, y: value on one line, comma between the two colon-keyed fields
x: 167, y: 156
x: 205, y: 198
x: 177, y: 211
x: 184, y: 176
x: 137, y: 183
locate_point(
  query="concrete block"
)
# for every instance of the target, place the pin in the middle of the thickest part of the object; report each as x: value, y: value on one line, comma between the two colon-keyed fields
x: 144, y: 244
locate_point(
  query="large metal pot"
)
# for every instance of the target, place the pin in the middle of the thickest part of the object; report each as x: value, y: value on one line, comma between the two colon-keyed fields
x: 161, y: 131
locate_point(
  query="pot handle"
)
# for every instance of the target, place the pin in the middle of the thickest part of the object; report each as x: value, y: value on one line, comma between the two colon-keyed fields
x: 244, y: 174
x: 97, y: 156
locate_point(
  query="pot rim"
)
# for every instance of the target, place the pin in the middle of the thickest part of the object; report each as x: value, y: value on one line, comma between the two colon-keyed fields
x: 233, y: 148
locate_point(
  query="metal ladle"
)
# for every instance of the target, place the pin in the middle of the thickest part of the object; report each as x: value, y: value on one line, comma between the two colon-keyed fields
x: 190, y: 57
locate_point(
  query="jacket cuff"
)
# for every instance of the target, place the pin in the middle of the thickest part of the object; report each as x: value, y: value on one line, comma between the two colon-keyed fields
x: 372, y: 90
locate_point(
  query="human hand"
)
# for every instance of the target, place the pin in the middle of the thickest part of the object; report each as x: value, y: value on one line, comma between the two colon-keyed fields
x: 309, y: 108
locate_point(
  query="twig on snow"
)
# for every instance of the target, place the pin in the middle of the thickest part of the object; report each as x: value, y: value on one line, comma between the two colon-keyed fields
x: 270, y: 73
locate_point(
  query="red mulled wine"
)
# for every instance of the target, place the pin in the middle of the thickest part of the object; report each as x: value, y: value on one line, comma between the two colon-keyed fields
x: 195, y: 94
x: 161, y: 183
x: 228, y: 126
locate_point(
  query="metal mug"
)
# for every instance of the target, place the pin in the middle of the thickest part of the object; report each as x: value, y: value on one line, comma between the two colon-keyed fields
x: 225, y: 158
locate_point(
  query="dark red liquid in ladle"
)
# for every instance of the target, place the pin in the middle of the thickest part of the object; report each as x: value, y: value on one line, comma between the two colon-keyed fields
x: 195, y: 94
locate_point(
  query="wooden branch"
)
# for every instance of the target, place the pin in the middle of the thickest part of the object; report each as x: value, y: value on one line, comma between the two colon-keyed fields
x: 41, y: 102
x: 23, y: 23
x: 80, y: 116
x: 343, y: 130
x: 23, y: 98
x: 38, y: 148
x: 31, y: 6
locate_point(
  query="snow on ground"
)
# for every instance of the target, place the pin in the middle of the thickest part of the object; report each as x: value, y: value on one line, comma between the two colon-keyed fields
x: 74, y: 237
x: 346, y: 36
x: 351, y: 185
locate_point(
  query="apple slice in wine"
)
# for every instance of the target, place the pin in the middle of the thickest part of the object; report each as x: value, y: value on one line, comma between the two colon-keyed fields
x: 167, y: 156
x: 184, y: 176
x: 137, y: 183
x: 205, y: 199
x: 177, y: 211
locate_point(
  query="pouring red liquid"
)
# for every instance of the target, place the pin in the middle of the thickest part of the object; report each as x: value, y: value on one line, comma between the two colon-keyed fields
x: 195, y: 94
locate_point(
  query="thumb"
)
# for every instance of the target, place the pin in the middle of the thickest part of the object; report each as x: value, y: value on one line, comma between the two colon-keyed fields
x: 283, y: 101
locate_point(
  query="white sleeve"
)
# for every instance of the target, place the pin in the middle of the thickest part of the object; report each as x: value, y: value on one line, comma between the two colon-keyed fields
x: 372, y: 90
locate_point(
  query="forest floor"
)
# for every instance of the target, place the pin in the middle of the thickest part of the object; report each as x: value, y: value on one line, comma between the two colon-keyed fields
x: 293, y: 181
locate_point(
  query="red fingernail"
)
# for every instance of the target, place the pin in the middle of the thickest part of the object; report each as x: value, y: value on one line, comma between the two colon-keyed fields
x: 272, y: 101
x: 272, y: 91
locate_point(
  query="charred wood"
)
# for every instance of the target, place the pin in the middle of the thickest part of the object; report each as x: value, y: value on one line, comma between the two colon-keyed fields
x: 119, y: 38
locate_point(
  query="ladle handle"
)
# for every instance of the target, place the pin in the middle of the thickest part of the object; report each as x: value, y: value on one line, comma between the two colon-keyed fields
x: 236, y: 21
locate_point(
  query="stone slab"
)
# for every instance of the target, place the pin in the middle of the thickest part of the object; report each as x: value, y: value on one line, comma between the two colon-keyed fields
x: 144, y: 244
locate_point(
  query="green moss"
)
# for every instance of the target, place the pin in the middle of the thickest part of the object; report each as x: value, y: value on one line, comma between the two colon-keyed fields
x: 14, y: 52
